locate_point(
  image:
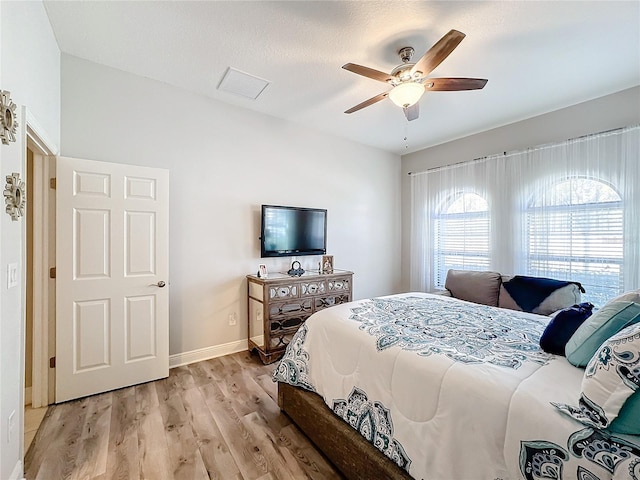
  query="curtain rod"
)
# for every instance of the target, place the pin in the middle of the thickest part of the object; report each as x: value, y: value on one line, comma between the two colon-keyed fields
x: 515, y: 152
x: 454, y: 165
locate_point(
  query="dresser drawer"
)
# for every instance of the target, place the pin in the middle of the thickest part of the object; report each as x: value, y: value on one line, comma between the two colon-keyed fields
x: 330, y: 300
x: 339, y: 284
x: 318, y: 287
x: 283, y: 290
x: 297, y: 306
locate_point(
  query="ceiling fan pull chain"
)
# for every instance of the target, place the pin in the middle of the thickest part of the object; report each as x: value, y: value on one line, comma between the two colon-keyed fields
x: 406, y: 132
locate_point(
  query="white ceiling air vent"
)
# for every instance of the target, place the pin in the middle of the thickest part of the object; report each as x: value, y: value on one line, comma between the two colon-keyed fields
x: 243, y: 84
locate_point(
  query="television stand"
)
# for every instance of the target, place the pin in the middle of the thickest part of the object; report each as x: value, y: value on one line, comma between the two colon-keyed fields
x: 279, y: 304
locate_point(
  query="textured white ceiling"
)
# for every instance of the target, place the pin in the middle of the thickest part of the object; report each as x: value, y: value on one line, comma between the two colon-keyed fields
x: 538, y: 56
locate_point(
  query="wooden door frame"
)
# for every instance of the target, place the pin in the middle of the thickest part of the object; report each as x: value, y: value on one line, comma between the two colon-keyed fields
x: 43, y: 258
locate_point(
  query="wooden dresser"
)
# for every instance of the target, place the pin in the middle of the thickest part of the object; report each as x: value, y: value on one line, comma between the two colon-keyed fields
x: 279, y: 304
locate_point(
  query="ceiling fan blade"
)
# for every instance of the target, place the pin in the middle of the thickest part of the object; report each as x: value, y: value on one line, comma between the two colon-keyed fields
x: 436, y: 54
x: 367, y: 72
x: 412, y: 112
x: 366, y: 103
x: 453, y: 84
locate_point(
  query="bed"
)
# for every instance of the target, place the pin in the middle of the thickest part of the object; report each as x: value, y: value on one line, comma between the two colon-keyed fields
x: 430, y: 387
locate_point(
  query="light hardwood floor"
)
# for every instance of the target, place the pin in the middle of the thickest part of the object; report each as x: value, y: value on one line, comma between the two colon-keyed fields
x: 214, y: 419
x: 32, y: 420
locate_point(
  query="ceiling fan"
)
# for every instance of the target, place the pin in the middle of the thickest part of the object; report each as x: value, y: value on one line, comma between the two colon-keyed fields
x: 410, y: 81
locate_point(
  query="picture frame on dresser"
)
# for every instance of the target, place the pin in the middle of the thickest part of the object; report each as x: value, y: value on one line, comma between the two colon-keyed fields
x: 327, y: 264
x: 262, y: 271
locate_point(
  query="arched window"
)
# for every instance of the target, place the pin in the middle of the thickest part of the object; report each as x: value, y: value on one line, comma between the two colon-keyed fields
x: 461, y: 239
x: 575, y: 232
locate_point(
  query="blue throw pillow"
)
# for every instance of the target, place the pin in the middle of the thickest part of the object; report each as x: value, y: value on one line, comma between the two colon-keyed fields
x: 628, y: 420
x: 563, y: 326
x: 604, y: 323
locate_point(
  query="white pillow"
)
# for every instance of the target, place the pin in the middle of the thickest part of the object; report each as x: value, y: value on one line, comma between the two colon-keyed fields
x: 611, y: 376
x: 632, y: 296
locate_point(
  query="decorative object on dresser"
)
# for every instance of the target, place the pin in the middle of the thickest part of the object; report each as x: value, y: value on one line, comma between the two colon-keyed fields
x: 327, y: 264
x: 278, y: 305
x: 262, y: 271
x: 296, y: 269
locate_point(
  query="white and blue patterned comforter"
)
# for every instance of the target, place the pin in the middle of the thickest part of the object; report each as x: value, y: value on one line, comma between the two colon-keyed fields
x: 452, y: 390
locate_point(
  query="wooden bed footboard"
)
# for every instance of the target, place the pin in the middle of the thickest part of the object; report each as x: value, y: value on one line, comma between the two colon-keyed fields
x: 354, y: 456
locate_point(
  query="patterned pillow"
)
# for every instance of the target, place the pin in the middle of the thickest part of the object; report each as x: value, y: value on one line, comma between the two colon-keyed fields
x: 604, y: 323
x: 610, y: 379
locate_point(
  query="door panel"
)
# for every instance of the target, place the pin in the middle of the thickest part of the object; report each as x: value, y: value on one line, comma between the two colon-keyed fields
x: 144, y: 188
x: 141, y: 325
x: 112, y: 237
x: 91, y: 184
x: 141, y: 243
x: 92, y: 244
x: 92, y: 334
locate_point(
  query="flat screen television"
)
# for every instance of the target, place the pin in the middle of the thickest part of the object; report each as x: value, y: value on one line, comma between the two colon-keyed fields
x: 292, y: 231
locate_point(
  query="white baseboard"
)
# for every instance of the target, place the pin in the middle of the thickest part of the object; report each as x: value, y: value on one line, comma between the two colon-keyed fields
x: 17, y: 472
x: 193, y: 356
x: 27, y: 396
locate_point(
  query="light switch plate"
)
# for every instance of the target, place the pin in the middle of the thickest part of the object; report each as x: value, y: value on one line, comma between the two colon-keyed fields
x: 12, y: 275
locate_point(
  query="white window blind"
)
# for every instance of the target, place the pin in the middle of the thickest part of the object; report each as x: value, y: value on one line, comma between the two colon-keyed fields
x: 461, y: 237
x: 576, y: 232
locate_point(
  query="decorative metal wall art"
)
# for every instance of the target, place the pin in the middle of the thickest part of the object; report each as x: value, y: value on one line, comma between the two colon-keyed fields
x: 8, y: 120
x: 14, y: 196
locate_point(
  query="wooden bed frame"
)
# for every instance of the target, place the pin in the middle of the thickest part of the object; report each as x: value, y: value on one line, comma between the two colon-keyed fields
x: 354, y: 456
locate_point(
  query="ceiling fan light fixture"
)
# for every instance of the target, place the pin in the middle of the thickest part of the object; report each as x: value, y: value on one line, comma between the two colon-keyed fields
x: 406, y: 94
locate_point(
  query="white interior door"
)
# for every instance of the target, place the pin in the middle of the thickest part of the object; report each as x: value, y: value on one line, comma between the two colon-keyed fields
x: 112, y: 298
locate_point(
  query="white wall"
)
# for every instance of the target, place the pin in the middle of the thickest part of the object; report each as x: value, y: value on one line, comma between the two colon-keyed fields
x: 31, y: 65
x: 30, y: 70
x: 12, y: 322
x: 225, y: 162
x: 604, y: 113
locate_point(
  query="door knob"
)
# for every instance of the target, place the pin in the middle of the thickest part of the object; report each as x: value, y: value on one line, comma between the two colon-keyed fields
x: 159, y: 284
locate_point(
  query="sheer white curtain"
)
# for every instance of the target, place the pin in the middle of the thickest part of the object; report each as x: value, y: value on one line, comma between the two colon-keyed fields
x: 551, y: 209
x: 432, y: 193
